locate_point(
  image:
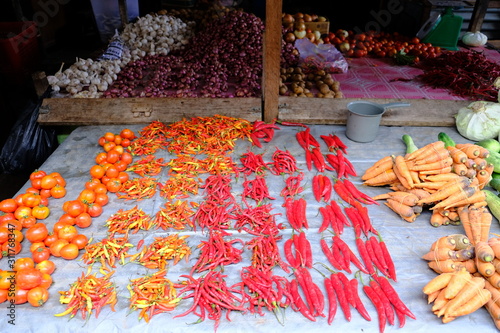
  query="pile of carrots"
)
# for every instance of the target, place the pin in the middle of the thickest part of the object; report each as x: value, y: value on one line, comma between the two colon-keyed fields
x: 469, y: 277
x: 443, y: 177
x: 448, y: 179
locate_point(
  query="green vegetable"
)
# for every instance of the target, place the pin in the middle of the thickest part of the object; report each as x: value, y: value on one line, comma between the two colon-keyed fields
x: 494, y: 159
x: 495, y: 175
x: 448, y: 142
x: 490, y: 144
x: 410, y: 145
x: 494, y: 183
x: 493, y: 202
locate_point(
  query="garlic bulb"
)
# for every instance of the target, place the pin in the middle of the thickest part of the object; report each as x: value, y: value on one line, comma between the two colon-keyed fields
x: 474, y: 39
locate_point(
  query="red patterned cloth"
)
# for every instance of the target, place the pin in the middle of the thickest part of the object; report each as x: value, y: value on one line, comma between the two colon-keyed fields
x: 381, y: 78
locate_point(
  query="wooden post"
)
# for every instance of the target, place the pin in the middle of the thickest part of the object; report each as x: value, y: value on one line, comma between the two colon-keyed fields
x: 271, y: 59
x: 477, y: 18
x: 123, y: 12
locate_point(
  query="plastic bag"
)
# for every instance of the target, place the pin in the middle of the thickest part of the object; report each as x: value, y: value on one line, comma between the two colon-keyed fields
x: 28, y: 144
x: 320, y: 56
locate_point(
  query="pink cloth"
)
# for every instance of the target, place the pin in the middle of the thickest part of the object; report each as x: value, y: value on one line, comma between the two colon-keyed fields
x: 378, y: 78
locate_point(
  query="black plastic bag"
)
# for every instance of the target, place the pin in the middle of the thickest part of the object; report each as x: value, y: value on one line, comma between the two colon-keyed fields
x: 29, y: 144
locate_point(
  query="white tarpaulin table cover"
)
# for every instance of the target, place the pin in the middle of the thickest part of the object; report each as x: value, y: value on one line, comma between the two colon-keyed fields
x: 407, y: 242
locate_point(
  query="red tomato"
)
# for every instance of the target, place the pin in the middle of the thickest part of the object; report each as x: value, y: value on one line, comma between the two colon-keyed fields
x: 74, y: 207
x: 28, y: 278
x: 55, y: 248
x: 8, y: 205
x: 40, y: 212
x: 18, y: 296
x: 46, y: 266
x: 94, y: 209
x: 37, y: 233
x: 21, y: 263
x: 41, y: 254
x: 38, y: 296
x: 7, y: 278
x: 80, y: 240
x: 84, y: 220
x: 67, y: 232
x: 69, y: 251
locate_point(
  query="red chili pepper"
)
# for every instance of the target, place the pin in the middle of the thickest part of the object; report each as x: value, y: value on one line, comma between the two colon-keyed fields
x: 337, y: 225
x: 329, y: 255
x: 373, y: 256
x: 346, y: 253
x: 393, y: 296
x: 355, y: 260
x: 292, y: 261
x: 326, y: 219
x: 332, y: 300
x: 347, y: 289
x: 309, y: 159
x: 299, y: 302
x: 388, y: 259
x: 330, y: 142
x: 338, y: 213
x: 343, y: 193
x: 389, y: 310
x: 355, y: 219
x: 339, y: 143
x: 341, y: 296
x: 377, y: 302
x: 306, y: 250
x: 360, y: 307
x: 318, y: 159
x: 377, y: 250
x: 317, y: 187
x: 360, y: 196
x: 327, y: 189
x: 288, y: 123
x: 300, y: 208
x: 364, y: 255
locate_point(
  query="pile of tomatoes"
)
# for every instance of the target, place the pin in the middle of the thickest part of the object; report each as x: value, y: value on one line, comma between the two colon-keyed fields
x: 380, y: 44
x: 28, y: 279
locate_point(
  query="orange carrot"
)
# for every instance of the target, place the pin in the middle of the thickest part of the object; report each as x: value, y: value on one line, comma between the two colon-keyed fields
x: 473, y: 304
x: 432, y: 297
x: 470, y: 163
x: 484, y: 251
x: 426, y: 150
x: 463, y: 213
x: 483, y: 177
x: 400, y: 208
x: 494, y: 280
x: 430, y: 185
x: 382, y: 165
x: 431, y: 166
x: 436, y: 156
x: 406, y: 198
x: 443, y: 266
x: 496, y: 263
x: 494, y: 243
x: 446, y: 241
x: 470, y: 265
x: 402, y: 172
x: 445, y: 169
x: 495, y: 292
x: 440, y: 302
x: 459, y: 279
x: 470, y: 149
x: 480, y: 163
x: 457, y: 155
x: 473, y: 286
x: 445, y: 177
x: 462, y: 194
x: 385, y: 178
x: 477, y: 197
x: 486, y: 220
x: 437, y: 219
x: 439, y: 254
x: 464, y: 255
x: 453, y: 215
x: 486, y: 269
x: 420, y: 193
x: 447, y: 190
x: 437, y: 283
x: 483, y: 152
x: 459, y: 168
x: 494, y: 311
x: 475, y: 224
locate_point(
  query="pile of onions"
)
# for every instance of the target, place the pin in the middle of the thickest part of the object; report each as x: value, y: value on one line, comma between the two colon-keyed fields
x: 222, y: 60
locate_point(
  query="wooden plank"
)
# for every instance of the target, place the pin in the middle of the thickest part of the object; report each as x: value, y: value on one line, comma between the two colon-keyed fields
x: 271, y: 59
x: 423, y: 112
x: 476, y: 21
x: 96, y: 111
